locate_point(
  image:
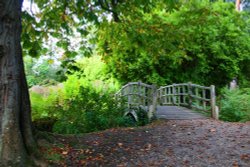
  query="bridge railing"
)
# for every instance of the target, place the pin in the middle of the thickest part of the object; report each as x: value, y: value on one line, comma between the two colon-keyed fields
x: 189, y: 95
x: 138, y: 94
x: 135, y: 94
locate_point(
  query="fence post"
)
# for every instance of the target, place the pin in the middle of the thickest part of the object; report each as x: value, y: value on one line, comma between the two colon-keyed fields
x: 213, y: 102
x: 160, y: 96
x: 140, y: 93
x: 174, y: 96
x: 153, y: 106
x: 189, y: 95
x: 178, y: 97
x: 129, y: 96
x: 204, y: 97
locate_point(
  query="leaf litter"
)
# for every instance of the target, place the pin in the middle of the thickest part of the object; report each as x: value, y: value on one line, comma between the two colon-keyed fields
x: 200, y: 142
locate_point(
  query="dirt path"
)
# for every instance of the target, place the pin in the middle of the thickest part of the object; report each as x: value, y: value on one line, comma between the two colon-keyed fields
x: 196, y: 143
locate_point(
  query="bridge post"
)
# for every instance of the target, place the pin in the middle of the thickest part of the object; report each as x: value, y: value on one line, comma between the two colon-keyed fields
x: 174, y: 94
x: 204, y: 97
x: 153, y: 106
x: 214, y: 113
x: 160, y: 96
x: 190, y: 95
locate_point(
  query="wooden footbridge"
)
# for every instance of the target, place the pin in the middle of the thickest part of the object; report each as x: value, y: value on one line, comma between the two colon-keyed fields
x: 176, y: 101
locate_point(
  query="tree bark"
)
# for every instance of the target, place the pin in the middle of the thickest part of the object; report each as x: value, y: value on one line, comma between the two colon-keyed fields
x: 17, y: 145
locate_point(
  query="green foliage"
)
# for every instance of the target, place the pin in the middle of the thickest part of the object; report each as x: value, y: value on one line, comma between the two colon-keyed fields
x: 142, y: 117
x: 244, y: 78
x: 64, y: 19
x: 197, y: 42
x: 45, y: 106
x: 94, y: 71
x: 83, y: 104
x: 91, y: 72
x: 235, y: 105
x: 89, y: 111
x: 141, y: 114
x: 76, y: 109
x: 41, y: 72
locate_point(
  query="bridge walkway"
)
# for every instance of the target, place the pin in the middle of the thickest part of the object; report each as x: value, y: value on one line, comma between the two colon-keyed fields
x: 177, y: 113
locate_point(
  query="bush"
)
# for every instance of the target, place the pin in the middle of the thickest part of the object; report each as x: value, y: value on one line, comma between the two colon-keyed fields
x: 76, y: 109
x: 142, y: 117
x: 89, y: 111
x: 235, y: 105
x: 44, y: 106
x: 80, y: 104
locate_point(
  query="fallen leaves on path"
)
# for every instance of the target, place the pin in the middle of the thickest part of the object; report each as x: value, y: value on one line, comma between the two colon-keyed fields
x: 165, y: 143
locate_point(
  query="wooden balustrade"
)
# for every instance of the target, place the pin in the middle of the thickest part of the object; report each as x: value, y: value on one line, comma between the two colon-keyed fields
x: 138, y: 94
x: 189, y: 95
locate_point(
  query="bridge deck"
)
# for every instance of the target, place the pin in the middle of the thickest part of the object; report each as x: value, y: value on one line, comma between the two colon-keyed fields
x: 177, y: 112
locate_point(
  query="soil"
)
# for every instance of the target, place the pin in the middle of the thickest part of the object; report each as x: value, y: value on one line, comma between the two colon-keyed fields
x: 174, y: 143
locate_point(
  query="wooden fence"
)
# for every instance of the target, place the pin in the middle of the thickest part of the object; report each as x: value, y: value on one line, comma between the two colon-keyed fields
x: 189, y: 95
x: 138, y: 94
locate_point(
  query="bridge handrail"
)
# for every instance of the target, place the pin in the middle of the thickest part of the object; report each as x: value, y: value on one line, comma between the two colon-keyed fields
x: 186, y: 84
x: 135, y: 94
x: 133, y: 83
x: 183, y: 94
x: 138, y: 94
x: 201, y: 87
x: 189, y: 94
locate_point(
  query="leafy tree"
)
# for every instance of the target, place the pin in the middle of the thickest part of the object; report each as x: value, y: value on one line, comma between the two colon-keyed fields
x: 62, y: 19
x: 93, y: 71
x: 54, y: 19
x: 202, y: 42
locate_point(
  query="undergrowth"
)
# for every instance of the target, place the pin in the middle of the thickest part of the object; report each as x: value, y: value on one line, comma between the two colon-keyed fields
x: 89, y: 111
x: 235, y: 105
x: 79, y: 108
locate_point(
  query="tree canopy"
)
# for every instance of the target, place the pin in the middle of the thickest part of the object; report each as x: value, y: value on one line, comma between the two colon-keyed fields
x: 62, y: 19
x: 166, y: 41
x: 196, y: 42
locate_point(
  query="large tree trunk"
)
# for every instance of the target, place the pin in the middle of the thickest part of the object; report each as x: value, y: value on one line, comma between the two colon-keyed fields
x: 17, y: 145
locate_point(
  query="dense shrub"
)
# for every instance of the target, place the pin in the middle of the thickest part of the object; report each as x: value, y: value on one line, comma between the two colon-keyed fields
x: 142, y: 117
x: 82, y: 104
x: 44, y: 106
x: 89, y: 111
x: 77, y: 107
x: 235, y: 105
